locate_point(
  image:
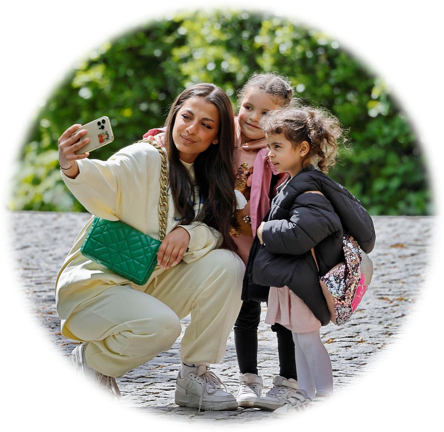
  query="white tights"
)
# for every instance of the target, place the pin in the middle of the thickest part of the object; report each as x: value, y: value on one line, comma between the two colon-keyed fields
x: 313, y: 364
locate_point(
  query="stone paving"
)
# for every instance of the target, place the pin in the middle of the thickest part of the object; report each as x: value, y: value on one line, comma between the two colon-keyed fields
x: 42, y: 241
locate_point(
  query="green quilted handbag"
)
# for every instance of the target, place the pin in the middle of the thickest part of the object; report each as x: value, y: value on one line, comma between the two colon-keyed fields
x: 123, y: 249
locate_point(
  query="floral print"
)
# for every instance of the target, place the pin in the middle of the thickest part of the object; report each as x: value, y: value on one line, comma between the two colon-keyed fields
x: 243, y: 186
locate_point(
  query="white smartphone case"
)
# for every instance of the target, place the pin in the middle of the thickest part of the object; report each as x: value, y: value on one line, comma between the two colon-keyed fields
x: 99, y: 132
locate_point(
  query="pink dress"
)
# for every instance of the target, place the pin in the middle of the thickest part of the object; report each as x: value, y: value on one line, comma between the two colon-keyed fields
x: 287, y: 309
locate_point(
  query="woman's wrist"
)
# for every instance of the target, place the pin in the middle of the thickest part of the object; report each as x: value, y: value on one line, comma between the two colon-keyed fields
x: 70, y: 171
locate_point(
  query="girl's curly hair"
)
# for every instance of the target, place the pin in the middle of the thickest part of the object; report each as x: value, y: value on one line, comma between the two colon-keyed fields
x: 317, y: 126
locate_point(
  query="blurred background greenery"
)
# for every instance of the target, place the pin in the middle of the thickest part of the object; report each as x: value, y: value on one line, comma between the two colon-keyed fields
x: 134, y: 78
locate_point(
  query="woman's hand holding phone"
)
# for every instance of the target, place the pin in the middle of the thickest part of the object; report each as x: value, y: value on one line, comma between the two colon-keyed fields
x: 78, y: 141
x: 70, y: 141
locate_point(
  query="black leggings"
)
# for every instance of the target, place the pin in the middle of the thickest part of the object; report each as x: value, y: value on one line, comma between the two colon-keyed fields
x: 245, y: 339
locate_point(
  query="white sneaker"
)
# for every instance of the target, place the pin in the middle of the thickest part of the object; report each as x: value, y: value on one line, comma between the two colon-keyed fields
x: 203, y: 390
x: 296, y: 402
x: 79, y: 362
x: 250, y: 389
x: 282, y: 389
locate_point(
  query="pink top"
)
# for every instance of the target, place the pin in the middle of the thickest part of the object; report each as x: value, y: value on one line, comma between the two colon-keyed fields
x: 253, y: 177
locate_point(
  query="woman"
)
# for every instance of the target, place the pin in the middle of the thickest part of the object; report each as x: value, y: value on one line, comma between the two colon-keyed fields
x: 123, y: 325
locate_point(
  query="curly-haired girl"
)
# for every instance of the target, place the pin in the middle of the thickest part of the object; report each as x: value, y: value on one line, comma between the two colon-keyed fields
x: 303, y: 141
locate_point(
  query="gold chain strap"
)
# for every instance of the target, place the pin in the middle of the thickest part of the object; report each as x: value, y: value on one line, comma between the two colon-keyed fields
x: 163, y: 200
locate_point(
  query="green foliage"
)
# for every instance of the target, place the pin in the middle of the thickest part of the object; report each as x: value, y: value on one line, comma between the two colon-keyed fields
x: 134, y: 79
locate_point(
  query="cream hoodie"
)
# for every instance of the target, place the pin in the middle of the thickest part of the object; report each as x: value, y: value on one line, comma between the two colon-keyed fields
x: 125, y: 187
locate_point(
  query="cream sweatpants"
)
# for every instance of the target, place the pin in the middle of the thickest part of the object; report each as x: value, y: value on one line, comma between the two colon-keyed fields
x: 125, y: 327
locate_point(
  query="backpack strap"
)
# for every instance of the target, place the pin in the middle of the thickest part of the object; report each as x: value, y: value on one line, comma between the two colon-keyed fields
x: 312, y: 249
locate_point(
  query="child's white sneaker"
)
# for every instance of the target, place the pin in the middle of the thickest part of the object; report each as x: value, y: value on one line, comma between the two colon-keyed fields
x: 296, y: 402
x: 78, y: 360
x: 282, y: 389
x: 204, y: 390
x: 250, y: 389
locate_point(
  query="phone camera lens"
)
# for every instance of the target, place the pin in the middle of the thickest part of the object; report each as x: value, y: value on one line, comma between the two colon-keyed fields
x: 103, y: 121
x: 98, y: 123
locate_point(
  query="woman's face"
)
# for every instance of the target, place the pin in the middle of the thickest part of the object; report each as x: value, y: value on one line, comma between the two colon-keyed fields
x: 196, y: 128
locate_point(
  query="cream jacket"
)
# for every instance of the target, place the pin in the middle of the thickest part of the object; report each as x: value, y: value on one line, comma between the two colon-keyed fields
x: 125, y: 187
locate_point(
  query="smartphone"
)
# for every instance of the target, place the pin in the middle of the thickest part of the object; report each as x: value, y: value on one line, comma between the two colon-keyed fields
x: 99, y: 132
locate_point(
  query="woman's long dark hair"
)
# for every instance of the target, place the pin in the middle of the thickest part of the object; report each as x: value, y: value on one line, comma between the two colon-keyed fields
x: 213, y: 168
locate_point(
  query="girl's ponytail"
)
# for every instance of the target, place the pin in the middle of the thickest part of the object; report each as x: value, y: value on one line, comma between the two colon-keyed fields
x: 324, y: 132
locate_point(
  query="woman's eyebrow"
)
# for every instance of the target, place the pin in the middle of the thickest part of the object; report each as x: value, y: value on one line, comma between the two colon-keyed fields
x: 205, y: 118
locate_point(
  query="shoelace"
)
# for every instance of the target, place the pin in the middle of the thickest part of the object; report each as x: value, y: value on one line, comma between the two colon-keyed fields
x: 248, y: 388
x: 276, y: 391
x: 211, y: 382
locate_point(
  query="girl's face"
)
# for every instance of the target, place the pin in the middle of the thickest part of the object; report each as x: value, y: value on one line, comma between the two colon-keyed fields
x: 284, y: 155
x: 255, y: 104
x: 195, y: 128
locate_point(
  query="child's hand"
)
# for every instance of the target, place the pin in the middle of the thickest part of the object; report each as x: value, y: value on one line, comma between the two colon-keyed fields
x: 159, y: 139
x: 173, y: 248
x: 259, y: 232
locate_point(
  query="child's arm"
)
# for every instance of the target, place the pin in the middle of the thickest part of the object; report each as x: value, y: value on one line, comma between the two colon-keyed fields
x: 312, y: 219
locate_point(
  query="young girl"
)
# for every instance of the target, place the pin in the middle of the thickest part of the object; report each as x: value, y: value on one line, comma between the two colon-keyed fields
x: 256, y: 182
x: 122, y: 325
x: 310, y: 211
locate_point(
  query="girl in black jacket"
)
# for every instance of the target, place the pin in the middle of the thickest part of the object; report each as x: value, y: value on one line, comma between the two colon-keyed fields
x: 310, y: 211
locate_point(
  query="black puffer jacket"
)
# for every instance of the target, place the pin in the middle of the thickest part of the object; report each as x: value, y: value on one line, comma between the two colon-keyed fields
x: 299, y: 221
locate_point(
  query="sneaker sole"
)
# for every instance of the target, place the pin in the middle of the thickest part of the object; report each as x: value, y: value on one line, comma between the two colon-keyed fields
x: 246, y: 404
x: 266, y: 407
x: 193, y: 402
x: 295, y: 414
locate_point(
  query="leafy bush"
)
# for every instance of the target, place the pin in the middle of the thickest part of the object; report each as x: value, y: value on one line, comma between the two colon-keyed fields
x: 133, y: 72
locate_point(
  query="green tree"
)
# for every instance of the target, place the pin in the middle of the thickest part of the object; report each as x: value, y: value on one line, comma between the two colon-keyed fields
x: 134, y: 79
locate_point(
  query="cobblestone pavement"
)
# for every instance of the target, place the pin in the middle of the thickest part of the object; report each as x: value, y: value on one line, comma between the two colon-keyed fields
x: 42, y: 240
